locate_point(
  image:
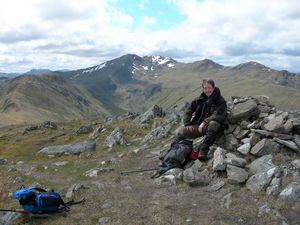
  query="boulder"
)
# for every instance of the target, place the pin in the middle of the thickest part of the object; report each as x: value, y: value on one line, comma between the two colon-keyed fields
x: 243, y: 111
x: 291, y: 192
x: 71, y: 149
x: 260, y: 181
x: 219, y: 160
x: 236, y: 175
x: 264, y: 146
x: 233, y: 160
x: 290, y: 144
x: 115, y: 137
x: 84, y: 130
x: 262, y: 164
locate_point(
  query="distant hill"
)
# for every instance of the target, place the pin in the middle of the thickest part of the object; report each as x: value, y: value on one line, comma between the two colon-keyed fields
x: 9, y: 75
x: 49, y: 97
x: 38, y: 71
x: 134, y: 83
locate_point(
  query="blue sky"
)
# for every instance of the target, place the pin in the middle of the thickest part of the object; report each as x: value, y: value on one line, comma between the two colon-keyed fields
x: 74, y: 34
x: 154, y: 15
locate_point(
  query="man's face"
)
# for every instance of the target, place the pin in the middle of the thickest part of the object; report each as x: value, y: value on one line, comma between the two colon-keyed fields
x: 208, y: 89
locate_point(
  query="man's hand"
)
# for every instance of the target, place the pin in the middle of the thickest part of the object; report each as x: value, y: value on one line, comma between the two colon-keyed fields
x: 188, y: 124
x: 201, y: 127
x: 194, y: 154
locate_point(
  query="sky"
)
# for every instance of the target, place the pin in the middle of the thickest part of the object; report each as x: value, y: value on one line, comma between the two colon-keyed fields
x: 76, y: 34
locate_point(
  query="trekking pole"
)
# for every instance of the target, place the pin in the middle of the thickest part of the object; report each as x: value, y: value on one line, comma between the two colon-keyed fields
x: 15, y: 210
x: 137, y: 171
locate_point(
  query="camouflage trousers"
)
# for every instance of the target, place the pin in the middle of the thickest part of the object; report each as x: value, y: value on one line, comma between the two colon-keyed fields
x: 210, y: 134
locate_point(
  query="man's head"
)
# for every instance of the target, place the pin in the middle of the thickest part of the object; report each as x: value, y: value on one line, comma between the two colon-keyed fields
x: 208, y: 87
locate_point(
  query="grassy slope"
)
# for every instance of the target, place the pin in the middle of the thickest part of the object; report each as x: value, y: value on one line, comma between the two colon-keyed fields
x: 135, y: 198
x: 36, y: 99
x: 179, y: 87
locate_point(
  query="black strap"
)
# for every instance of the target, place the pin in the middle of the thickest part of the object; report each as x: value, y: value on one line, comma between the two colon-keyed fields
x: 39, y: 189
x: 66, y: 205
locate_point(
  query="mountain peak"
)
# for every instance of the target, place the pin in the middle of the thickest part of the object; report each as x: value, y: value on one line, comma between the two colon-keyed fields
x: 206, y: 64
x: 251, y: 65
x: 38, y: 71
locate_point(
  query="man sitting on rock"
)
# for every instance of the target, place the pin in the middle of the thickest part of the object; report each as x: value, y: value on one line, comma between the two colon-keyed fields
x: 204, y: 116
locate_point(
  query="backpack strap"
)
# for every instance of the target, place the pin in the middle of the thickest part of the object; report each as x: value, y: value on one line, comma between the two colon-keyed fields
x: 39, y: 189
x: 66, y: 205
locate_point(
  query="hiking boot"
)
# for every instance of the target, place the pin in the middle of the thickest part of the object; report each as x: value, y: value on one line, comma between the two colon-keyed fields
x: 202, y: 156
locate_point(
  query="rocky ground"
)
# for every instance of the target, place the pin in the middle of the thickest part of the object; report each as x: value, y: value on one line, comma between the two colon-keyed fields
x: 252, y: 176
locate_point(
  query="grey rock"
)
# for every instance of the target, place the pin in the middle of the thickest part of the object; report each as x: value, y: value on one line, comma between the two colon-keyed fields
x: 107, y: 205
x: 264, y: 147
x: 19, y: 180
x: 3, y: 161
x: 297, y: 140
x: 216, y: 186
x: 236, y: 175
x: 73, y: 189
x: 244, y: 124
x: 31, y: 128
x: 9, y: 218
x: 233, y: 160
x: 242, y: 134
x: 245, y: 140
x: 260, y: 181
x: 196, y: 178
x: 50, y: 125
x: 274, y: 186
x: 254, y: 138
x: 154, y: 111
x: 262, y: 164
x: 231, y: 142
x: 103, y: 220
x: 289, y: 144
x: 62, y: 163
x: 296, y: 163
x: 273, y: 213
x: 264, y: 108
x: 263, y: 100
x: 156, y: 134
x: 71, y: 149
x: 291, y: 192
x: 275, y: 124
x: 166, y: 180
x: 95, y: 172
x: 244, y: 149
x: 116, y: 137
x: 219, y: 160
x: 176, y: 172
x: 84, y: 130
x: 244, y: 111
x: 273, y: 134
x: 227, y: 201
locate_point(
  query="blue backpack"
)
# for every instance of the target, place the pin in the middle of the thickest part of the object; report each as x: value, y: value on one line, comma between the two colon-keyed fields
x: 37, y: 200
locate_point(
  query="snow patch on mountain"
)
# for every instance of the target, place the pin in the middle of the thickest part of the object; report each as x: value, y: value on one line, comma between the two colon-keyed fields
x: 160, y: 60
x: 95, y: 68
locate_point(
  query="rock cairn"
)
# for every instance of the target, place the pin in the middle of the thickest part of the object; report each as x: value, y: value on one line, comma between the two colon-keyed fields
x: 260, y: 148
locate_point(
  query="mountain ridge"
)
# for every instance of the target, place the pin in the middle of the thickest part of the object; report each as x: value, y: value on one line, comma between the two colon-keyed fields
x: 132, y: 83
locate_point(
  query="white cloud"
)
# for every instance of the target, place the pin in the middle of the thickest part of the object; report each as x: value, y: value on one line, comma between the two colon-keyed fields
x: 147, y: 20
x: 142, y: 4
x: 74, y: 34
